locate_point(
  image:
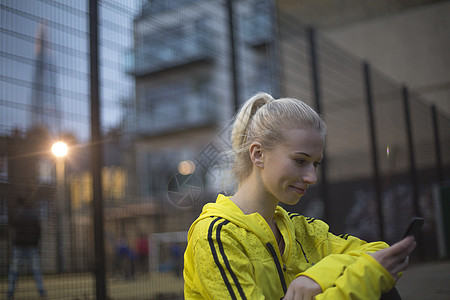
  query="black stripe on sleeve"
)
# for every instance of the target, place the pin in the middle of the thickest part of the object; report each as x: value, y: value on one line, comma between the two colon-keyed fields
x: 225, y: 259
x: 343, y: 236
x: 292, y: 215
x: 216, y: 258
x: 310, y: 220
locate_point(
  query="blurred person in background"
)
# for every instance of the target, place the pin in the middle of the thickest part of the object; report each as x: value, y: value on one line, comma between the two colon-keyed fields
x: 142, y: 251
x: 177, y: 259
x: 125, y: 259
x: 248, y: 247
x: 26, y: 229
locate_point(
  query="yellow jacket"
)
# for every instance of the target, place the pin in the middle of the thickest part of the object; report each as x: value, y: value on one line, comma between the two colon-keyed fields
x: 231, y: 255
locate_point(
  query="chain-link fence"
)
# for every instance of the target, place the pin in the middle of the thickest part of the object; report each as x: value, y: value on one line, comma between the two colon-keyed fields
x: 171, y: 74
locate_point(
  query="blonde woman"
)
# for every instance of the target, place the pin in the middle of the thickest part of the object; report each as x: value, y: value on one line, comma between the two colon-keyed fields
x: 247, y: 247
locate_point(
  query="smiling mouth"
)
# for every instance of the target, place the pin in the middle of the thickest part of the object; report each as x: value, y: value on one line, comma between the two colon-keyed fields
x: 298, y: 190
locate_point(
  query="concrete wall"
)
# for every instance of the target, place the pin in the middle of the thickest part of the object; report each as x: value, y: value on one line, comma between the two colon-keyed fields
x: 412, y: 47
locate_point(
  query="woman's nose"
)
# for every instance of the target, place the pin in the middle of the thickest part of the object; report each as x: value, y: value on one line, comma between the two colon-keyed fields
x: 310, y: 176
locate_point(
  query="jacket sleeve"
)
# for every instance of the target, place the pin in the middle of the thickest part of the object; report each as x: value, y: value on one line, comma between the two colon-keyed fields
x: 363, y: 279
x: 216, y: 267
x: 346, y: 266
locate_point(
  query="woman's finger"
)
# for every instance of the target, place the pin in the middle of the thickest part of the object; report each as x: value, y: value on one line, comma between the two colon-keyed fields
x: 400, y: 266
x: 407, y: 252
x: 402, y: 249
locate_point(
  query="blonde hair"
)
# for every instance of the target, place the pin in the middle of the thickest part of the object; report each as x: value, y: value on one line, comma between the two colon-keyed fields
x: 263, y: 119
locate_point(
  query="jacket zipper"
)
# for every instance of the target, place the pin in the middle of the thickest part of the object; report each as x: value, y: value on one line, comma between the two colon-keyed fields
x: 278, y: 265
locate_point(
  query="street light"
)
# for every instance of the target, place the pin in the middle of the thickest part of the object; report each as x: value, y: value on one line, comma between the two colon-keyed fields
x: 60, y: 150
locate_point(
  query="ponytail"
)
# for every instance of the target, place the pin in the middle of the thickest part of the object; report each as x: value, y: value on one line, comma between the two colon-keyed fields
x: 244, y: 118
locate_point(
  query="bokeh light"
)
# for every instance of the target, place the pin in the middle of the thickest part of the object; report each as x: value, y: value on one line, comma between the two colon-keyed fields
x: 186, y: 167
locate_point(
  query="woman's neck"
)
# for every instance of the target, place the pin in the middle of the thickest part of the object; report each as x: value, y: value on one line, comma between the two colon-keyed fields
x: 251, y: 198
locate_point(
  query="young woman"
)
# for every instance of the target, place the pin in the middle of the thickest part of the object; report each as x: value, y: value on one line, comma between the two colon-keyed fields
x: 247, y: 247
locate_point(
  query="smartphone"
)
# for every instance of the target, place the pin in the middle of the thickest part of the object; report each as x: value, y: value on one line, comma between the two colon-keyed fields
x: 414, y: 227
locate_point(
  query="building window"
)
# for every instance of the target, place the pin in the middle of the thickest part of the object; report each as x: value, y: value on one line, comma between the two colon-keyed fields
x: 46, y: 175
x: 173, y: 46
x: 3, y: 211
x: 3, y: 168
x: 257, y: 25
x: 159, y: 6
x: 182, y: 104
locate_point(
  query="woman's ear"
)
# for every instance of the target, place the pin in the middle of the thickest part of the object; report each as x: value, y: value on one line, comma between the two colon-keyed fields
x: 256, y: 154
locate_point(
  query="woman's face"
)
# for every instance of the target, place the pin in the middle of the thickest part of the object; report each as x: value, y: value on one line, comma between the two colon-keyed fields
x: 290, y: 168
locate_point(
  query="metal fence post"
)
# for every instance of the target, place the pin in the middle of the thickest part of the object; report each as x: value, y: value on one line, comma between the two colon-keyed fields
x: 437, y: 144
x: 373, y: 141
x: 318, y: 99
x: 412, y: 163
x: 96, y: 154
x: 234, y: 71
x: 274, y: 51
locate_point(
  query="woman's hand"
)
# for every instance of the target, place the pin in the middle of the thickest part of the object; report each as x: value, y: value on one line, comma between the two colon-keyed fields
x: 395, y: 258
x: 302, y: 288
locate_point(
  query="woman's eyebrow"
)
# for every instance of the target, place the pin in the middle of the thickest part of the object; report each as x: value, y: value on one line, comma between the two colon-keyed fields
x: 306, y: 154
x: 303, y: 153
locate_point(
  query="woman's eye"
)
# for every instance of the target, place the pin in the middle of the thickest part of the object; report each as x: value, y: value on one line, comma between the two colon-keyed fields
x: 300, y: 161
x: 316, y: 164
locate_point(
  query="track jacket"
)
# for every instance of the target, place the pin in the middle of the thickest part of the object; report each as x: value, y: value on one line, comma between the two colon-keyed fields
x: 231, y: 255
